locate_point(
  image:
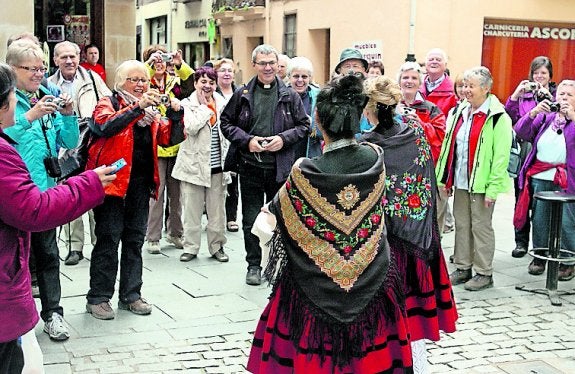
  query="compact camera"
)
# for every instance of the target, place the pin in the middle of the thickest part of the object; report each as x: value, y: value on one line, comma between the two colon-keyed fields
x: 406, y: 111
x: 118, y: 165
x: 554, y: 107
x: 263, y: 142
x: 60, y: 103
x: 531, y: 86
x: 167, y: 57
x: 165, y: 99
x: 52, y: 167
x: 543, y: 95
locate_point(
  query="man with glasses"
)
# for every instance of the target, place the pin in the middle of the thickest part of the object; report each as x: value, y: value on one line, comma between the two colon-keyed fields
x: 263, y: 120
x: 85, y: 88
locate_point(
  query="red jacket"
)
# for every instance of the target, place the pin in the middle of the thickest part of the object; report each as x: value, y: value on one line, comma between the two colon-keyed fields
x: 433, y: 122
x: 443, y: 96
x: 108, y: 149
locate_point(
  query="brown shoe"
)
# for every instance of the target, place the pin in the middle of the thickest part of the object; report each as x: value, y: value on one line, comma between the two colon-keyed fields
x: 566, y: 272
x: 536, y: 267
x: 101, y: 311
x: 460, y: 276
x: 140, y: 307
x: 479, y: 282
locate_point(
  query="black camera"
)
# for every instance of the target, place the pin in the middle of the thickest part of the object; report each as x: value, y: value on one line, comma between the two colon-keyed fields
x: 543, y: 95
x: 554, y: 107
x: 53, y: 167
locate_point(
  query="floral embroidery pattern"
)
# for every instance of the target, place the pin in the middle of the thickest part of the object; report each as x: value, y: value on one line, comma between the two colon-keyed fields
x: 409, y: 196
x: 424, y: 153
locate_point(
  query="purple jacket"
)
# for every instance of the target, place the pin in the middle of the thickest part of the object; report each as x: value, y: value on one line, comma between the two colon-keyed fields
x: 518, y: 108
x: 531, y: 129
x: 23, y: 208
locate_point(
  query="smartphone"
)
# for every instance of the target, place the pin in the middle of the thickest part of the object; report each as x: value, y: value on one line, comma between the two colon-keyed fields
x: 118, y: 165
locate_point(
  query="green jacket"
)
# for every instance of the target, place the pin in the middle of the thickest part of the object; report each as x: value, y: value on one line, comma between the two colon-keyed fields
x: 489, y: 170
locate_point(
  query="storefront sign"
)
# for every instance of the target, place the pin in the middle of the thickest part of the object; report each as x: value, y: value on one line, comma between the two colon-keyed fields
x: 370, y: 50
x: 196, y: 23
x: 509, y: 46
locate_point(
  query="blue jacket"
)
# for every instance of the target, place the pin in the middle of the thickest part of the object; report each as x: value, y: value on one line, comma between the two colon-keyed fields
x: 62, y: 131
x: 291, y: 123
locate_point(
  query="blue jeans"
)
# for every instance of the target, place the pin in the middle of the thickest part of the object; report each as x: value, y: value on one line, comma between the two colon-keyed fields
x: 126, y: 220
x: 540, y: 219
x: 257, y: 186
x: 47, y: 259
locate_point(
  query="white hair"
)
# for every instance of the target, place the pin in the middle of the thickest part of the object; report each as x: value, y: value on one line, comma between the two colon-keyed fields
x: 300, y: 63
x: 437, y: 51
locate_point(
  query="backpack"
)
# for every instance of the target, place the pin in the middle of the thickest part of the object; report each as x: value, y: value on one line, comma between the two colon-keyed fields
x: 515, y: 162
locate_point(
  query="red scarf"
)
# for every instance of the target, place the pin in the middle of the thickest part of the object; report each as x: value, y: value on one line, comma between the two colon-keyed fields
x: 524, y: 201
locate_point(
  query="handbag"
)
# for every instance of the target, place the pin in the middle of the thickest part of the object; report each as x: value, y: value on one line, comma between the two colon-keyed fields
x: 515, y: 161
x: 73, y: 161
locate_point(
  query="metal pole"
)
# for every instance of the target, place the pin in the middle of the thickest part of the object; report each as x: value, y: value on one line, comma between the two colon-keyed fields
x: 411, y: 49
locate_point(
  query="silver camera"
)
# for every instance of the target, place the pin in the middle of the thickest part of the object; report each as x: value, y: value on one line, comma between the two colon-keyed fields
x: 165, y: 99
x: 60, y: 103
x: 555, y: 107
x: 531, y: 86
x: 167, y: 57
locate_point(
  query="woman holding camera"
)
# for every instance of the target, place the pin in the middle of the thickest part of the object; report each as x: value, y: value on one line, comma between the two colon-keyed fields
x: 43, y: 124
x: 24, y: 208
x: 199, y: 167
x: 521, y: 102
x: 177, y: 86
x: 550, y: 166
x: 131, y: 128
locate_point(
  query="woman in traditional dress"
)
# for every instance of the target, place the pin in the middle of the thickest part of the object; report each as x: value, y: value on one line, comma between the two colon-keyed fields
x: 337, y: 300
x: 410, y: 211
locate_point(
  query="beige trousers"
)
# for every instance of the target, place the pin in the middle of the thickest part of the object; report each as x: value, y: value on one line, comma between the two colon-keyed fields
x: 474, y: 235
x: 74, y: 232
x: 194, y: 198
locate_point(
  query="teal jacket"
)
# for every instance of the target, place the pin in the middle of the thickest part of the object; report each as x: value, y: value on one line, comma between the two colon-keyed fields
x: 489, y: 169
x: 62, y: 131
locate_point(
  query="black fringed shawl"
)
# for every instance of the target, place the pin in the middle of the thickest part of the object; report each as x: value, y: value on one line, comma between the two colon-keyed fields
x: 410, y: 186
x: 331, y: 258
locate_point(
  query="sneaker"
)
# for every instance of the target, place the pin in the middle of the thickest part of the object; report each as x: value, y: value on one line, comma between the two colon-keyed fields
x: 254, y: 276
x: 221, y: 256
x: 101, y: 311
x: 185, y: 257
x: 536, y: 267
x: 73, y: 258
x: 566, y: 272
x: 56, y: 328
x: 232, y: 226
x: 479, y: 282
x: 176, y: 241
x: 154, y: 248
x: 460, y: 276
x: 448, y: 228
x: 140, y: 307
x: 519, y: 251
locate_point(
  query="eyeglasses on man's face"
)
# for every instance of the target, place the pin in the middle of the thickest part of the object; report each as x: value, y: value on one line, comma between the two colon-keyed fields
x: 263, y: 64
x: 137, y: 80
x: 33, y: 69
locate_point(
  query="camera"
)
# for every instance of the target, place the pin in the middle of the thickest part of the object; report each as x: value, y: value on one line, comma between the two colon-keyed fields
x: 167, y: 57
x: 406, y: 111
x: 543, y: 95
x: 554, y: 107
x: 531, y: 86
x: 165, y: 99
x: 52, y: 167
x: 263, y: 142
x: 60, y: 103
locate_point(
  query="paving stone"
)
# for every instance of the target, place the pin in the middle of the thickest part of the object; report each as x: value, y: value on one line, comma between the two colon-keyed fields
x: 504, y: 358
x: 191, y: 356
x: 190, y: 348
x: 494, y: 330
x: 129, y: 348
x: 466, y: 364
x: 513, y: 343
x: 111, y: 357
x: 444, y: 359
x: 158, y: 367
x: 200, y: 363
x: 538, y: 355
x: 230, y: 345
x: 490, y: 338
x: 56, y: 358
x: 117, y: 369
x: 142, y: 360
x: 62, y: 369
x: 546, y: 347
x: 221, y: 354
x: 226, y: 369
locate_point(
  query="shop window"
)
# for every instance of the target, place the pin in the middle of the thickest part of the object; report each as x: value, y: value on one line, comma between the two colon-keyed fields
x: 195, y: 54
x: 158, y: 27
x: 228, y: 48
x: 290, y: 34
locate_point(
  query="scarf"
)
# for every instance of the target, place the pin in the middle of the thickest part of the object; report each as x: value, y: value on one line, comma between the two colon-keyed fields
x: 151, y: 114
x: 409, y: 202
x: 331, y: 258
x: 524, y: 200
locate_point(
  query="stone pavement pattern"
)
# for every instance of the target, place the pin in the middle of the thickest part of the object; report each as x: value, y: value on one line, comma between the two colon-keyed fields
x: 205, y: 313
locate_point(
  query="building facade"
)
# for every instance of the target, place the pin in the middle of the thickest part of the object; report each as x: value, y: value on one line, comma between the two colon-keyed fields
x: 110, y: 24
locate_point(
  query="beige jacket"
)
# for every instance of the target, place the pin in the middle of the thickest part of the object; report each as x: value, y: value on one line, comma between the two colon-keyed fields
x: 193, y: 160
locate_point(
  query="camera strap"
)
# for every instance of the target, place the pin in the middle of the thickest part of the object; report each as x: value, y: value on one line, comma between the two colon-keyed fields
x: 94, y: 84
x: 45, y: 136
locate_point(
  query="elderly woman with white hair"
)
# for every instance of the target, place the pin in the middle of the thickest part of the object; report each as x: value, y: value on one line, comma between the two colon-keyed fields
x: 473, y: 165
x: 300, y: 73
x: 131, y: 129
x: 419, y: 110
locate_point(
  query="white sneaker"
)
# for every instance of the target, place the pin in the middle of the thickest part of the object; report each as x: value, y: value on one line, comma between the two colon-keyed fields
x: 154, y: 248
x: 176, y: 241
x: 56, y: 328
